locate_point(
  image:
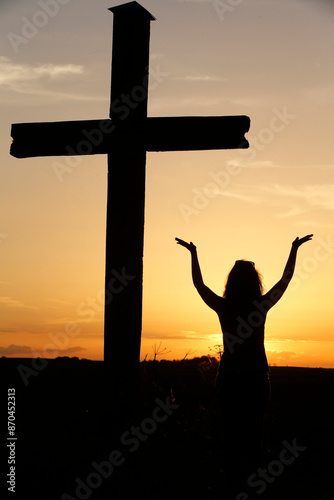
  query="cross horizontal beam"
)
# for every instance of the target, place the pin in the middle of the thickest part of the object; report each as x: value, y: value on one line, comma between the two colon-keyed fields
x: 89, y: 137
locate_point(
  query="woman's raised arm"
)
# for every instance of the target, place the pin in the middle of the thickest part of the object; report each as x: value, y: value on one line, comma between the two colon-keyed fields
x: 209, y: 297
x: 277, y: 290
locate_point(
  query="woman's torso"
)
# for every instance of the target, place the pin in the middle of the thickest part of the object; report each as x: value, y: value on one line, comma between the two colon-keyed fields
x: 243, y: 328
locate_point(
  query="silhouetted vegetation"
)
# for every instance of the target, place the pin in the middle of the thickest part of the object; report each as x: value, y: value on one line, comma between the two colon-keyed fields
x: 65, y: 423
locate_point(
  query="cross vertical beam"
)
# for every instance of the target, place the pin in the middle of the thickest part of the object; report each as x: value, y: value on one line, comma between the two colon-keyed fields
x: 126, y: 191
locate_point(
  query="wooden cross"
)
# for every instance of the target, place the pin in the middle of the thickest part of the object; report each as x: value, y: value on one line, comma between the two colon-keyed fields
x: 125, y: 138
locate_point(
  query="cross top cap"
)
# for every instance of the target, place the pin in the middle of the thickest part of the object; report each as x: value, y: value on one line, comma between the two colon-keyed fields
x: 132, y: 8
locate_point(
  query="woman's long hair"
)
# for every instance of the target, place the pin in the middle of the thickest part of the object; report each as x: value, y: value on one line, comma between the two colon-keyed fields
x: 243, y: 284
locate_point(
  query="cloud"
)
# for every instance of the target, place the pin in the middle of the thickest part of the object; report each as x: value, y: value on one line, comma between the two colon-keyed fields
x: 319, y: 94
x: 285, y: 340
x: 319, y: 196
x: 39, y: 80
x: 296, y: 200
x: 64, y: 320
x: 60, y: 302
x: 261, y: 164
x: 181, y: 336
x: 280, y: 356
x: 200, y: 78
x: 310, y: 223
x: 249, y: 101
x: 4, y: 328
x: 15, y: 349
x: 70, y: 350
x: 11, y: 302
x: 184, y: 335
x: 250, y: 198
x: 24, y: 349
x: 12, y: 74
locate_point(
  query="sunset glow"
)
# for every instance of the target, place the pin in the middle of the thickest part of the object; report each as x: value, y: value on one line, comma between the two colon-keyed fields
x: 268, y: 60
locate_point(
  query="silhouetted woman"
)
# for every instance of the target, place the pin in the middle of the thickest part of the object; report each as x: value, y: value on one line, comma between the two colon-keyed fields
x: 242, y: 382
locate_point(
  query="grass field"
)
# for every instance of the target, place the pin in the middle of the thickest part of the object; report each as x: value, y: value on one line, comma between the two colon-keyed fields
x: 75, y: 440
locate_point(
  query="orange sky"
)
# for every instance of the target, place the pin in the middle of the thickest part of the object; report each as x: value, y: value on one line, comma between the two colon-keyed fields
x: 268, y: 60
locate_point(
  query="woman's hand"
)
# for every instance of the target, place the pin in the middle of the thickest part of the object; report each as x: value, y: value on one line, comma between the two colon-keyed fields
x: 299, y: 241
x: 189, y: 246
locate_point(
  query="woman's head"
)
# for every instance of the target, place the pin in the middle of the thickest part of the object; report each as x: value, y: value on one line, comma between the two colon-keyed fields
x: 244, y: 282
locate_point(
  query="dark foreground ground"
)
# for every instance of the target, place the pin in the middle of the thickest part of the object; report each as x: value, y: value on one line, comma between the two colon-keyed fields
x: 70, y: 444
